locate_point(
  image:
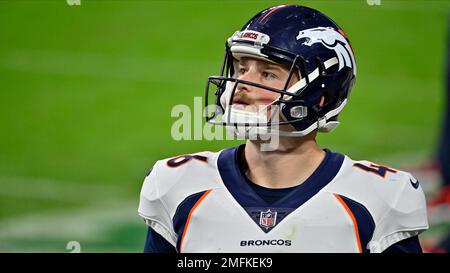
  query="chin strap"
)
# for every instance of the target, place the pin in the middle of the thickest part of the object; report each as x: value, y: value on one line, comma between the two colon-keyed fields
x: 323, y: 124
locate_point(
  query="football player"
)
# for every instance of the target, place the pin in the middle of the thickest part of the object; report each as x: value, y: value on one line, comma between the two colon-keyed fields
x: 287, y: 74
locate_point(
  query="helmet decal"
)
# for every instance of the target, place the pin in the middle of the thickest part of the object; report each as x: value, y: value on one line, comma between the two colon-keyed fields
x: 331, y: 39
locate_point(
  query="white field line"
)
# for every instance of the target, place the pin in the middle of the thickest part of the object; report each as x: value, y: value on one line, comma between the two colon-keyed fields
x: 105, y: 210
x: 42, y: 188
x: 89, y: 224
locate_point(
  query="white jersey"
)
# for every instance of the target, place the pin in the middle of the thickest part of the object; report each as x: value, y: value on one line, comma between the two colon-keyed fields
x: 203, y: 203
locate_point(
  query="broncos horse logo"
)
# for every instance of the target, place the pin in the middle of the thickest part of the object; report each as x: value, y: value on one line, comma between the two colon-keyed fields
x: 331, y: 39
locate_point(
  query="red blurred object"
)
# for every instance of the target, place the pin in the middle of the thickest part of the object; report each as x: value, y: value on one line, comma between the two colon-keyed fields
x: 430, y: 245
x: 441, y: 197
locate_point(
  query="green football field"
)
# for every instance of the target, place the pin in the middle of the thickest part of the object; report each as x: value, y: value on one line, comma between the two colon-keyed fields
x: 87, y: 92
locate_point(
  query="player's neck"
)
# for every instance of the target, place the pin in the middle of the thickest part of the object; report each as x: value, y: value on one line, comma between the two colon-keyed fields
x: 289, y: 165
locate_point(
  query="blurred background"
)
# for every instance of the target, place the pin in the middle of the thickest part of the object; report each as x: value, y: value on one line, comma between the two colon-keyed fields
x: 86, y: 93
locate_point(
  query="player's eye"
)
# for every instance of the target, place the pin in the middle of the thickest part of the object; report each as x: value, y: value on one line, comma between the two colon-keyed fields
x: 241, y: 71
x: 269, y: 75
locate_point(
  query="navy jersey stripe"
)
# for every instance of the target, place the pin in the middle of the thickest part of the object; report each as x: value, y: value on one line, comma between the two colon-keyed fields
x: 182, y: 213
x: 364, y: 220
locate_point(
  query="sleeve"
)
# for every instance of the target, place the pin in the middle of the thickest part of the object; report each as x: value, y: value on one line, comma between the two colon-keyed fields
x: 153, y: 209
x: 155, y: 243
x: 410, y: 245
x: 405, y: 217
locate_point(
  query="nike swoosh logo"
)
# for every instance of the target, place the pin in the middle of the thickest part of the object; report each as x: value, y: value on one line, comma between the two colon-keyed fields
x: 414, y: 184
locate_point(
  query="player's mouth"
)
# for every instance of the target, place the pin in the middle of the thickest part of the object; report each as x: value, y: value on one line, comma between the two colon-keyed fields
x: 250, y: 104
x: 241, y: 102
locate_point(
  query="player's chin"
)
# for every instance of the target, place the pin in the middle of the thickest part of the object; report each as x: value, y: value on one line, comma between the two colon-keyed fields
x: 245, y: 107
x: 256, y: 107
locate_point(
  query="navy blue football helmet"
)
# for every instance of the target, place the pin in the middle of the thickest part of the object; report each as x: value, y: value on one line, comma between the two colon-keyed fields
x: 312, y: 45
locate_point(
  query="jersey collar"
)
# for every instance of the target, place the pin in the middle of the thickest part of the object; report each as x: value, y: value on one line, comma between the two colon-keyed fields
x: 238, y: 185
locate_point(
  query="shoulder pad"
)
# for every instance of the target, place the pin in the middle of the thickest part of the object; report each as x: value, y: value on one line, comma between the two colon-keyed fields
x: 169, y: 183
x: 394, y: 199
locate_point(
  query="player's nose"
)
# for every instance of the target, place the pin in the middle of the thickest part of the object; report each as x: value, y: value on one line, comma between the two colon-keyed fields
x: 246, y: 76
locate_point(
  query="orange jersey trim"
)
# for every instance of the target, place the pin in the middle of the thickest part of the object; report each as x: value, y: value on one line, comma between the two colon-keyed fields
x: 189, y: 217
x: 355, y: 224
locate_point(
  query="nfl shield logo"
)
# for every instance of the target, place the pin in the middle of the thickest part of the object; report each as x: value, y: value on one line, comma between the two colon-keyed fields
x: 268, y: 219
